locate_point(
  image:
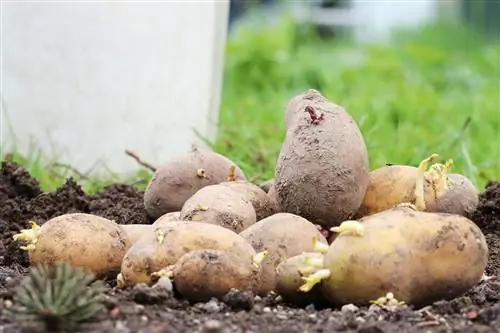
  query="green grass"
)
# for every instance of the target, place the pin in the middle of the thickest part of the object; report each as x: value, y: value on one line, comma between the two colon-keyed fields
x: 431, y: 91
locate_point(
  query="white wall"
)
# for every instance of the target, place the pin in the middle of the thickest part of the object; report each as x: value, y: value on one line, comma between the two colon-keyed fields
x: 88, y: 80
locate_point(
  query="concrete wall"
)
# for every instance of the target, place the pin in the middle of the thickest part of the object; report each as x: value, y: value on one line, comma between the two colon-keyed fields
x: 88, y: 80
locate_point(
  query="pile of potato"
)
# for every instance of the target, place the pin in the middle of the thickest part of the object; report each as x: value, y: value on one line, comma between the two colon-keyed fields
x: 324, y: 229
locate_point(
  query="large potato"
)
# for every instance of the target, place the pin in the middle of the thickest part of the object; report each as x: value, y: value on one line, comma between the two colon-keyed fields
x: 221, y: 205
x: 283, y: 235
x: 202, y: 274
x: 82, y: 240
x: 259, y: 199
x: 420, y: 257
x: 322, y: 169
x: 173, y: 183
x: 165, y: 244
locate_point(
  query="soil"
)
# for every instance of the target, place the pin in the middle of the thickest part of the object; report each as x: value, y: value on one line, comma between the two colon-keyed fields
x: 143, y: 309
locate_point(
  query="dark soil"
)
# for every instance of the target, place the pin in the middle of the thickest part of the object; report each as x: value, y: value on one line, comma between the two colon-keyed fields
x: 143, y: 309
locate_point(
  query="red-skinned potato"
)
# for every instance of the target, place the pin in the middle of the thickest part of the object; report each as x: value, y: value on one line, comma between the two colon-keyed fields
x: 176, y: 181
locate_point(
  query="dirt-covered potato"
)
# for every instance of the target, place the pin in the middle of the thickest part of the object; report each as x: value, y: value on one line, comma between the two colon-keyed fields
x: 176, y: 181
x: 135, y: 231
x: 265, y: 186
x: 259, y: 199
x: 200, y: 275
x: 218, y: 204
x: 165, y: 244
x: 169, y: 217
x: 322, y: 169
x: 289, y: 276
x: 429, y: 188
x: 274, y: 199
x: 419, y: 257
x: 82, y: 240
x: 283, y: 235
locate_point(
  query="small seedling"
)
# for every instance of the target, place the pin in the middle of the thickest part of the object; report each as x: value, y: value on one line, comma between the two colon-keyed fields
x: 58, y: 296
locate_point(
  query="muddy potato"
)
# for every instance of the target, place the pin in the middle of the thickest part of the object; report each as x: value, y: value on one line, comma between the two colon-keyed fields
x: 461, y: 198
x: 289, y: 275
x: 200, y: 275
x: 259, y: 199
x: 283, y: 235
x: 134, y: 232
x: 165, y: 244
x: 322, y: 168
x: 176, y: 181
x: 169, y: 217
x: 265, y: 186
x: 218, y: 204
x: 82, y: 240
x: 420, y: 257
x: 272, y: 196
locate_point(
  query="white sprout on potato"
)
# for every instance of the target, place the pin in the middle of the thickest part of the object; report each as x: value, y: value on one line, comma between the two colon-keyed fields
x: 314, y: 279
x: 388, y: 302
x: 419, y: 185
x: 160, y: 235
x: 201, y: 173
x: 319, y: 246
x: 120, y: 281
x: 352, y: 227
x: 259, y: 257
x: 164, y: 272
x: 311, y: 265
x: 438, y: 177
x: 29, y: 235
x: 201, y: 207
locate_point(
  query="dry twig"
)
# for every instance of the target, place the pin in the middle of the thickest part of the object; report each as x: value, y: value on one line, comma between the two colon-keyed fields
x: 139, y: 160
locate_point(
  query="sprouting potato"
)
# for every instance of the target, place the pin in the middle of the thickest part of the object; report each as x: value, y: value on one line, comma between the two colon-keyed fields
x: 175, y: 182
x: 283, y: 235
x: 322, y: 168
x: 220, y: 205
x: 82, y: 240
x: 165, y: 244
x: 289, y: 276
x: 419, y: 257
x: 259, y: 199
x: 200, y: 275
x: 430, y: 189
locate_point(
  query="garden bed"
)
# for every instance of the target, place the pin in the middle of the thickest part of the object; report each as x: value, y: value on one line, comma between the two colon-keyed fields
x: 154, y: 310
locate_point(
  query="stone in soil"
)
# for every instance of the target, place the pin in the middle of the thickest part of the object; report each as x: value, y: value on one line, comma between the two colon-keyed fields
x: 158, y: 310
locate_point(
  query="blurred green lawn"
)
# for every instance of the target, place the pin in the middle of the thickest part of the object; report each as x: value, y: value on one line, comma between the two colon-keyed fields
x: 436, y: 90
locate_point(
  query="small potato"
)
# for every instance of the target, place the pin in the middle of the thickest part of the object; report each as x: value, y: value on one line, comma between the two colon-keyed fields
x: 166, y: 218
x: 200, y: 275
x: 175, y: 182
x: 259, y: 199
x: 220, y: 205
x: 283, y: 235
x: 322, y: 168
x: 167, y: 243
x: 135, y: 231
x: 265, y: 186
x: 289, y: 278
x: 419, y: 257
x: 82, y: 240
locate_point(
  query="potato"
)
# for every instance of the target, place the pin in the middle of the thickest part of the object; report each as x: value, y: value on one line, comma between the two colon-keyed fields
x: 259, y: 199
x: 432, y: 190
x: 134, y: 232
x: 420, y: 257
x: 322, y: 169
x: 297, y: 103
x: 274, y: 199
x: 265, y: 186
x: 200, y: 275
x: 169, y: 217
x: 167, y: 243
x: 289, y: 278
x: 461, y: 198
x: 283, y: 235
x: 173, y: 183
x: 82, y: 240
x: 220, y: 205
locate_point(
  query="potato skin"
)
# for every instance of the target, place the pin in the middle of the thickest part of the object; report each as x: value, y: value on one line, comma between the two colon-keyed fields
x: 461, y: 198
x: 82, y: 240
x: 220, y: 205
x: 259, y: 199
x: 265, y: 186
x: 322, y: 169
x: 147, y: 255
x: 200, y: 275
x: 176, y: 181
x: 420, y: 257
x: 289, y: 280
x: 388, y: 186
x: 134, y: 232
x: 284, y: 235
